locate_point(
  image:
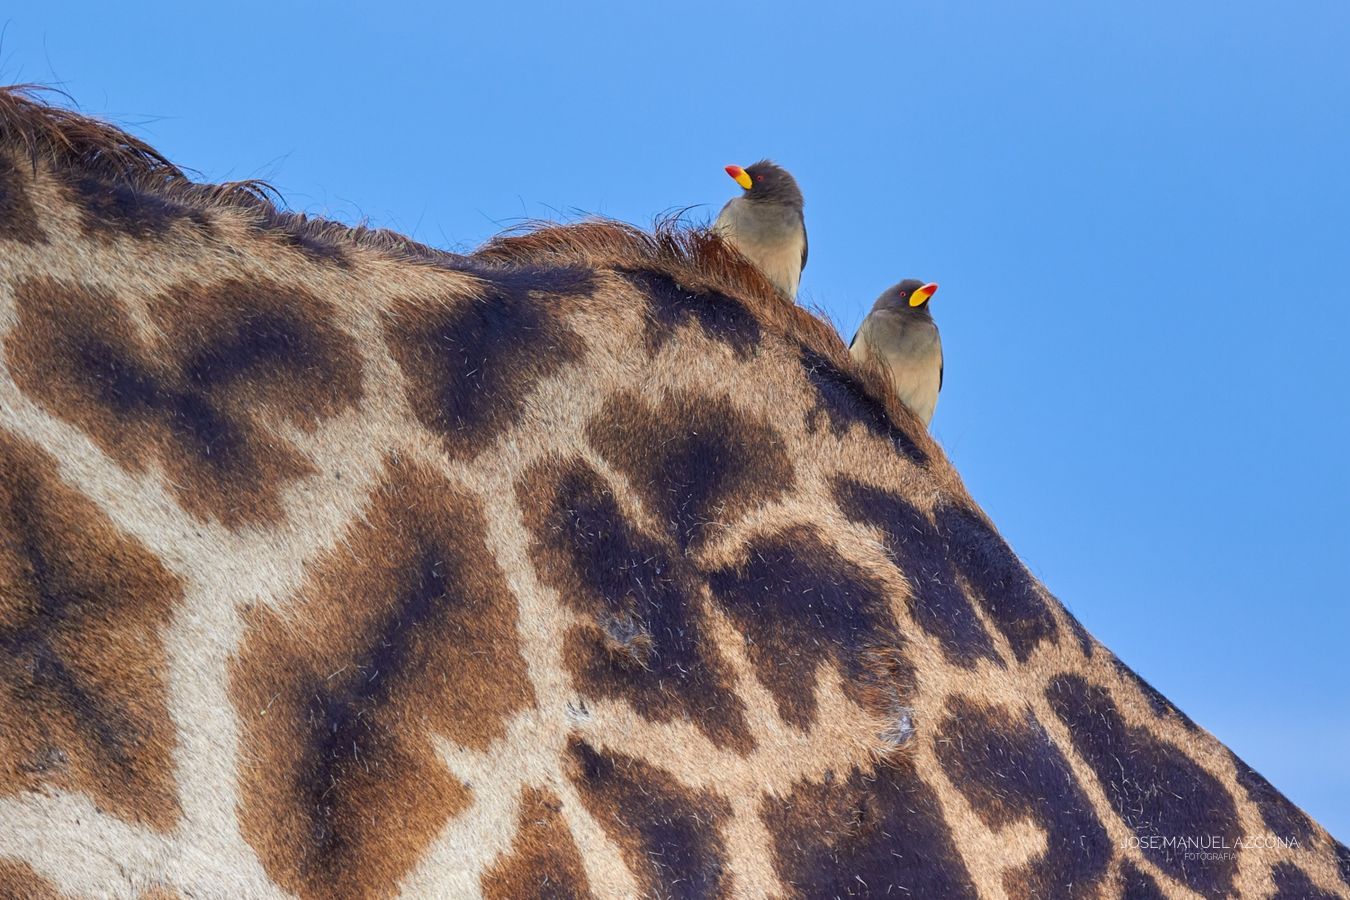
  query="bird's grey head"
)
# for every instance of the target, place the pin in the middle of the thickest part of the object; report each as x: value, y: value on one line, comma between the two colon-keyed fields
x: 910, y: 295
x: 769, y: 182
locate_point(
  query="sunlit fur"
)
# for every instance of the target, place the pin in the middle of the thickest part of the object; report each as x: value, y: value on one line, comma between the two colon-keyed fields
x: 332, y: 565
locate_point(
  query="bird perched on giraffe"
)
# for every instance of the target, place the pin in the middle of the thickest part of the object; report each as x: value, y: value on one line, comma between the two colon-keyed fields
x: 766, y: 223
x: 900, y: 333
x: 334, y: 565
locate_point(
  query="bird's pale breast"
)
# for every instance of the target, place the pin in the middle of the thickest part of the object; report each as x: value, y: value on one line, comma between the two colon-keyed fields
x: 911, y: 350
x: 774, y: 242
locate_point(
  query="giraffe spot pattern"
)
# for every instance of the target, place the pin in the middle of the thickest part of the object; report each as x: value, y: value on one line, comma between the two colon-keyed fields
x: 1282, y: 817
x: 543, y: 862
x: 1136, y: 884
x: 19, y: 882
x: 939, y: 606
x: 1292, y: 883
x: 289, y: 230
x: 668, y: 833
x: 210, y: 406
x: 160, y: 892
x: 1009, y: 770
x: 842, y: 401
x: 193, y: 399
x: 471, y: 363
x: 18, y: 219
x: 1160, y: 704
x: 878, y: 834
x: 405, y: 630
x: 1342, y: 853
x: 799, y: 603
x: 83, y: 608
x: 1003, y: 587
x: 1156, y: 789
x: 644, y: 636
x: 114, y: 209
x: 1081, y: 635
x: 720, y: 317
x: 696, y: 461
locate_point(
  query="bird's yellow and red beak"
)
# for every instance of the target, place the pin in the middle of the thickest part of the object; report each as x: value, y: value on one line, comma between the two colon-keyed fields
x: 920, y: 296
x: 741, y: 177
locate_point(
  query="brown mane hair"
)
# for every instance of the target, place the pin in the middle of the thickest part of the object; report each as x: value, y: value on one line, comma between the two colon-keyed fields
x: 70, y: 141
x: 694, y: 256
x: 698, y: 259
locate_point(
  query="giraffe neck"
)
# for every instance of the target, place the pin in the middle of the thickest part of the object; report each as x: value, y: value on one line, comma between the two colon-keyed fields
x: 335, y: 566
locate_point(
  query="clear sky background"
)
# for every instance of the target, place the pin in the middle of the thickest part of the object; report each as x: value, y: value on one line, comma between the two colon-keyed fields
x: 1139, y: 215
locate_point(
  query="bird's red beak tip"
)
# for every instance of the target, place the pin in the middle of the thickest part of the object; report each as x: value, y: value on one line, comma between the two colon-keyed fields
x: 741, y: 177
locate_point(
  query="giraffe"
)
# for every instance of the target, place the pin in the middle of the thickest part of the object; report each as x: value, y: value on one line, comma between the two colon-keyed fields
x: 333, y: 565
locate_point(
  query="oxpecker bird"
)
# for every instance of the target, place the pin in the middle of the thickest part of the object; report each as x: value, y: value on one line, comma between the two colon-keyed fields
x: 900, y: 333
x: 765, y: 223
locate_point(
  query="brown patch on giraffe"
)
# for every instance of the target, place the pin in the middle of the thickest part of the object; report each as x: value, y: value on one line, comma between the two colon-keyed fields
x: 1009, y: 770
x: 1158, y: 791
x: 1292, y: 883
x: 644, y: 637
x: 1136, y: 884
x: 544, y: 861
x: 193, y: 399
x: 405, y: 631
x: 670, y: 834
x: 18, y: 218
x: 160, y: 892
x: 671, y: 305
x: 18, y: 881
x: 1161, y: 706
x: 83, y: 607
x: 1281, y: 816
x: 843, y: 399
x: 913, y: 543
x: 470, y: 363
x: 1085, y: 641
x: 117, y: 208
x: 296, y: 232
x: 799, y: 604
x: 1003, y: 587
x: 696, y: 461
x: 1342, y: 854
x: 878, y: 833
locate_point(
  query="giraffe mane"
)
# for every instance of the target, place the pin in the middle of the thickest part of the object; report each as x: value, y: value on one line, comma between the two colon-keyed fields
x: 694, y: 256
x: 74, y: 142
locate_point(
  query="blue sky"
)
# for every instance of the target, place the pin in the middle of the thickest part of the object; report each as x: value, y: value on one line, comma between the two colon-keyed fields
x: 1139, y: 214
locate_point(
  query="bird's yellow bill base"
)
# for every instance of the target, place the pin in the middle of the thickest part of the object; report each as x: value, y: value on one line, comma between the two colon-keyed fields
x: 920, y: 296
x: 741, y: 177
